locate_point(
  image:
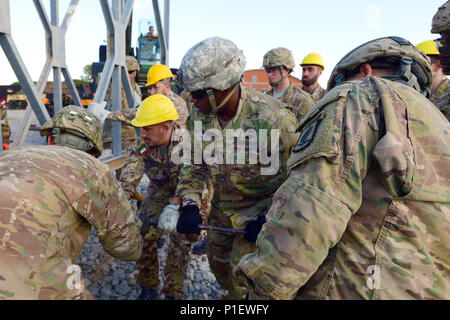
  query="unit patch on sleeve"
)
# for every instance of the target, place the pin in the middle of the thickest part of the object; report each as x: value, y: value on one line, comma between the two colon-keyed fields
x: 308, y: 133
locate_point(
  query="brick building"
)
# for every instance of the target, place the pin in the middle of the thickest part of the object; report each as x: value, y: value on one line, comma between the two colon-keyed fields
x: 257, y: 79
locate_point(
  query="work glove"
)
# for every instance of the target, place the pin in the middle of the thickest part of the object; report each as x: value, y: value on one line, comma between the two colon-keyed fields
x: 5, y: 146
x: 146, y: 223
x: 253, y: 228
x: 169, y: 218
x: 189, y: 220
x: 98, y: 109
x: 137, y: 100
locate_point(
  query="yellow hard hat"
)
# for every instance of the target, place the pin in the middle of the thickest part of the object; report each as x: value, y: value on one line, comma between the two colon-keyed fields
x: 155, y: 109
x: 157, y: 73
x: 428, y: 47
x: 313, y: 58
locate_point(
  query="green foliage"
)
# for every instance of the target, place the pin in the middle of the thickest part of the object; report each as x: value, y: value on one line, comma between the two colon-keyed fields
x: 86, y: 76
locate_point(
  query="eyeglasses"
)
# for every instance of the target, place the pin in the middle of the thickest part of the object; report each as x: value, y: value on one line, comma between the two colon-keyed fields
x: 130, y: 72
x: 197, y: 95
x: 271, y: 69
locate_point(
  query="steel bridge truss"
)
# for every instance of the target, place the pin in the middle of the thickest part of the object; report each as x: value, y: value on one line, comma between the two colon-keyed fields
x: 117, y: 16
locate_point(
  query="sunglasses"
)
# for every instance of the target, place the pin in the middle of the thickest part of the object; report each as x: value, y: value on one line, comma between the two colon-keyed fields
x: 271, y: 69
x: 130, y: 72
x: 197, y: 95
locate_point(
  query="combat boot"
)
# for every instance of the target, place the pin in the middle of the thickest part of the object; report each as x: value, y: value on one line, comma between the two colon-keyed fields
x: 148, y: 294
x: 199, y: 248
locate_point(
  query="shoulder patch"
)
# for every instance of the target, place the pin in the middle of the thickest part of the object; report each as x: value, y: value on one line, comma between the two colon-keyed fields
x: 308, y: 134
x: 320, y: 131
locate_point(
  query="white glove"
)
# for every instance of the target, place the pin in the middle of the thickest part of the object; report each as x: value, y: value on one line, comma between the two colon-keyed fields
x: 169, y: 218
x: 98, y: 109
x: 137, y: 100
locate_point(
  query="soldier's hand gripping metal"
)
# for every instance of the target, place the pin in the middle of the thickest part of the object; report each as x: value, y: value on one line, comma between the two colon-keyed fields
x: 169, y: 218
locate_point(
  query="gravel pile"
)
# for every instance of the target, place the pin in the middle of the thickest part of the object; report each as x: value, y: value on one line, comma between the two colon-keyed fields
x: 108, y: 278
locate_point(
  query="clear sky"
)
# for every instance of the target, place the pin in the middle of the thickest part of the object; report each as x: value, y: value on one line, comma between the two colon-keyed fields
x: 328, y: 27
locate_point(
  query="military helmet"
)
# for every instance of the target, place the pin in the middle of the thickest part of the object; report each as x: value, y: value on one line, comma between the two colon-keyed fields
x: 279, y: 57
x: 441, y: 20
x: 132, y: 64
x: 214, y: 63
x: 415, y: 67
x: 78, y: 122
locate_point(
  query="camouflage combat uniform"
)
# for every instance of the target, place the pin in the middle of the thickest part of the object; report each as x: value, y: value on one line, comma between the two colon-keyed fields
x: 241, y: 193
x: 299, y: 100
x: 128, y: 131
x: 186, y: 96
x: 51, y: 196
x: 441, y: 98
x: 365, y: 211
x: 181, y: 107
x: 6, y: 131
x: 163, y: 175
x: 154, y: 161
x: 318, y: 93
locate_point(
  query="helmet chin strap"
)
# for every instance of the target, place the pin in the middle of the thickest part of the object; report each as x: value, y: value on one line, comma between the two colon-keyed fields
x: 212, y: 100
x: 407, y: 77
x: 276, y: 84
x: 71, y: 138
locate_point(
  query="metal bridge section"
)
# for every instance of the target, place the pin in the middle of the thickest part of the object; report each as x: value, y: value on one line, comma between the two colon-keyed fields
x: 116, y: 15
x: 114, y: 71
x: 13, y: 55
x: 56, y: 60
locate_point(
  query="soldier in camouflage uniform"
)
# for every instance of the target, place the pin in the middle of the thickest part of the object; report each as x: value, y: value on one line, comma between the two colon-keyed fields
x: 441, y: 25
x: 440, y: 94
x: 6, y: 131
x: 129, y: 132
x: 212, y: 71
x: 312, y: 68
x: 279, y: 63
x: 153, y: 157
x: 158, y: 81
x: 440, y: 90
x: 365, y: 211
x: 51, y: 197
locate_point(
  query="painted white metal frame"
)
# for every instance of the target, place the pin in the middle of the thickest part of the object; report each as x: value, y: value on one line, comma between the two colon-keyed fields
x: 115, y: 73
